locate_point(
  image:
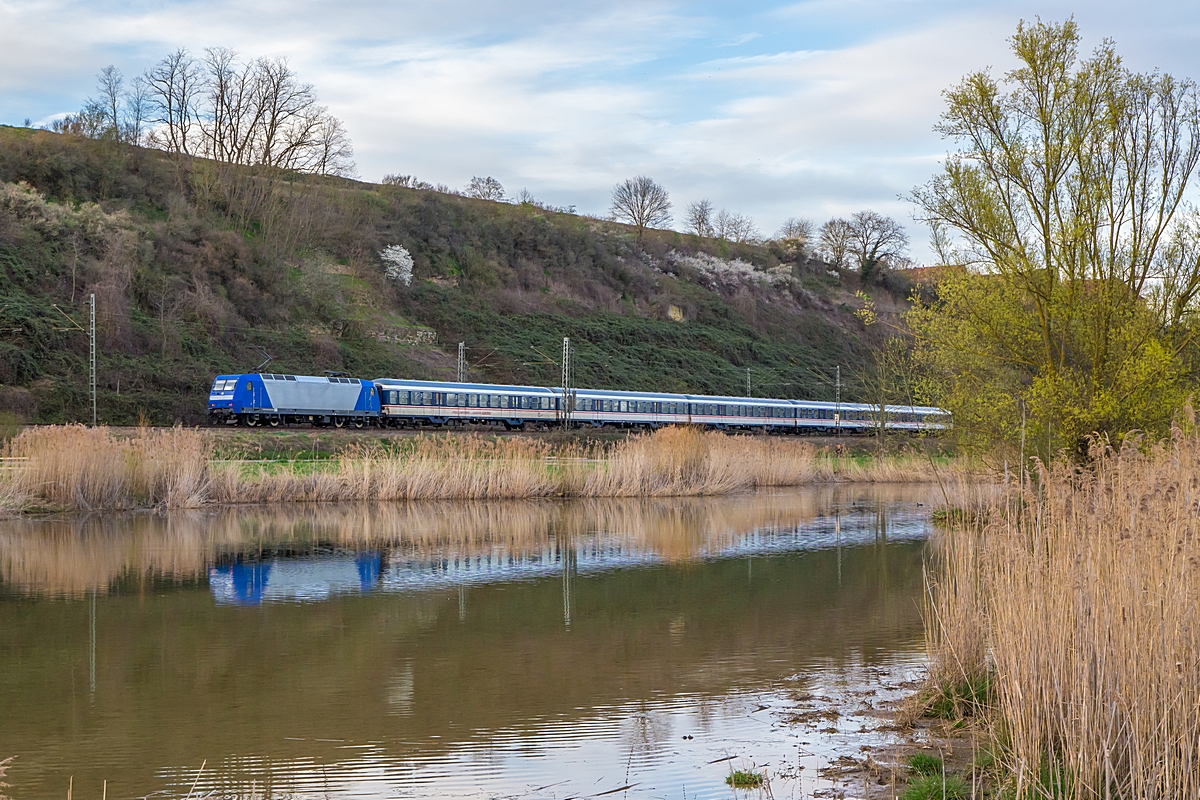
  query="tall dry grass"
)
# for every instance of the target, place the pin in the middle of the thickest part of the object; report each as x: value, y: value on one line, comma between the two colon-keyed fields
x: 75, y: 467
x: 1082, y: 599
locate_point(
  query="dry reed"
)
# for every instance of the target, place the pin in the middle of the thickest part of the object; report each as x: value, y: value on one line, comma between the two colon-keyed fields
x: 1082, y: 599
x: 74, y: 467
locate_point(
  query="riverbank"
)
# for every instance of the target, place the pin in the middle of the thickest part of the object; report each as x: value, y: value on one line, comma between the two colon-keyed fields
x: 75, y: 468
x: 1064, y: 625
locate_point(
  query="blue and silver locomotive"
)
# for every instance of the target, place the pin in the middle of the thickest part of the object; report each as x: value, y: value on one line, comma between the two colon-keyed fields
x: 273, y: 399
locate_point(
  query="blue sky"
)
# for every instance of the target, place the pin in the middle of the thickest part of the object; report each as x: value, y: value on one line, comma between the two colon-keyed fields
x: 813, y: 109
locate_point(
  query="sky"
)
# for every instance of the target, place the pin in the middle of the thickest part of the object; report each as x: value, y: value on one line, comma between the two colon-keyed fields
x: 809, y: 109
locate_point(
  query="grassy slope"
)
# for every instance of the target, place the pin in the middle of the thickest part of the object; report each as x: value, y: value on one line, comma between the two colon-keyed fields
x: 196, y: 266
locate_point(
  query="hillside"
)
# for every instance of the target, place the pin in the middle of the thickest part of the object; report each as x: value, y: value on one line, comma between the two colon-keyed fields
x: 200, y: 268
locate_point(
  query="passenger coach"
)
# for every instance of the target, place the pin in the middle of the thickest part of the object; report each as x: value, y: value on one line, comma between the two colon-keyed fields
x: 420, y: 403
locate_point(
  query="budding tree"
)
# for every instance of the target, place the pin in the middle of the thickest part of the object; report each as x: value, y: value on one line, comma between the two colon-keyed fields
x: 642, y: 203
x: 1067, y: 197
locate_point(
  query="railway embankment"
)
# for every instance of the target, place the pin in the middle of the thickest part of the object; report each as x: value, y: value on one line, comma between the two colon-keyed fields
x: 76, y: 468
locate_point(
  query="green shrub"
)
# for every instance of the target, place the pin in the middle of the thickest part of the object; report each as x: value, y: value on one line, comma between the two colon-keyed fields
x: 10, y: 426
x: 963, y: 699
x: 741, y: 779
x: 925, y: 764
x: 935, y: 787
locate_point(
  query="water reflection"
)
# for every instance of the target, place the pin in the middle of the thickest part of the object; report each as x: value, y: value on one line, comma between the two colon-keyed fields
x: 313, y: 552
x: 436, y: 650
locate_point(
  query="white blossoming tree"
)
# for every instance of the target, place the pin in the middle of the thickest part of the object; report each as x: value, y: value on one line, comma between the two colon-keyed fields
x: 397, y: 263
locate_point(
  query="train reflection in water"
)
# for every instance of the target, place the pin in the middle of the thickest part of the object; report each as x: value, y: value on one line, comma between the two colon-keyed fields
x: 295, y: 578
x: 238, y: 579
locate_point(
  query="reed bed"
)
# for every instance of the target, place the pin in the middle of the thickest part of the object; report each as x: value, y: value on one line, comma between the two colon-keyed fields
x: 1078, y: 601
x: 74, y: 467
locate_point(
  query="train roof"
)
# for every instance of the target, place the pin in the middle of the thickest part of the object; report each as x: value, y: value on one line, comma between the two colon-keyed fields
x: 631, y: 395
x: 285, y: 376
x: 544, y: 391
x: 451, y: 386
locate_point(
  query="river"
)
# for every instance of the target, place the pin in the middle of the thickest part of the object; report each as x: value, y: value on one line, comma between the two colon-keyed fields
x: 640, y: 648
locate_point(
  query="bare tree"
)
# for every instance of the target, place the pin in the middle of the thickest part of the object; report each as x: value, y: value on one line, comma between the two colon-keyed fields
x: 89, y: 122
x: 875, y: 241
x: 642, y: 203
x: 333, y: 149
x: 797, y: 229
x: 137, y: 109
x: 111, y: 86
x: 255, y: 113
x: 796, y: 236
x: 174, y: 84
x: 698, y: 217
x: 833, y: 244
x: 407, y: 181
x: 288, y: 116
x: 485, y: 189
x: 735, y: 227
x: 228, y: 127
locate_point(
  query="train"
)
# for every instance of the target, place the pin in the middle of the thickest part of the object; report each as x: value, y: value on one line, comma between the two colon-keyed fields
x: 273, y: 400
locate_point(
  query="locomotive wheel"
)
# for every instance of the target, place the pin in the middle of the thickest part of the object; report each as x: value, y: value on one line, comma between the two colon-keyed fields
x: 273, y: 422
x: 251, y: 421
x: 358, y: 422
x: 339, y: 422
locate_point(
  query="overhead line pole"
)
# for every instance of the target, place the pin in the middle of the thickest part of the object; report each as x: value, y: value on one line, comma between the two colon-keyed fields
x: 92, y: 304
x: 837, y: 413
x: 566, y: 380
